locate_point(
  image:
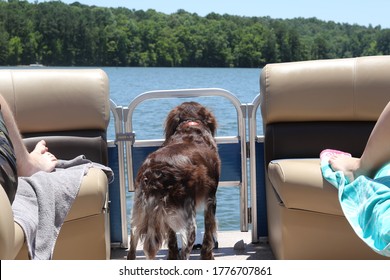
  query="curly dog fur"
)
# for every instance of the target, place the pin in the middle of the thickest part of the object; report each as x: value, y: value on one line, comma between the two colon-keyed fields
x: 173, y: 181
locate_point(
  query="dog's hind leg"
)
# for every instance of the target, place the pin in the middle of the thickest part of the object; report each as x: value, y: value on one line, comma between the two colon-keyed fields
x: 189, y: 234
x: 206, y: 252
x: 173, y: 250
x: 133, y: 246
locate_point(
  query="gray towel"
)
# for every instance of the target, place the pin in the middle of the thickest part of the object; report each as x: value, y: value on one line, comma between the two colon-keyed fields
x: 43, y: 201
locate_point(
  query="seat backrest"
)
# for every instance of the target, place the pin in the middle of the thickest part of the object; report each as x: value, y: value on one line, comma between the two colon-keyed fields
x: 69, y: 108
x: 309, y: 106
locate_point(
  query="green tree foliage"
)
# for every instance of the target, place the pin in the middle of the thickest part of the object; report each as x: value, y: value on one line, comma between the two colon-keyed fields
x: 54, y: 33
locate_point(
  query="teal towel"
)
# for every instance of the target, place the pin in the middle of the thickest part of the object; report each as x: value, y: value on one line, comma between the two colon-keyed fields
x: 365, y: 203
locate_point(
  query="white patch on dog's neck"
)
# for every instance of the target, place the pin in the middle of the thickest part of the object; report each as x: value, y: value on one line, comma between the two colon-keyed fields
x: 191, y: 123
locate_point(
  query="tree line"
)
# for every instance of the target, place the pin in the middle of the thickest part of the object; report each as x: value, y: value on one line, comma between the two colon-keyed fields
x: 57, y: 34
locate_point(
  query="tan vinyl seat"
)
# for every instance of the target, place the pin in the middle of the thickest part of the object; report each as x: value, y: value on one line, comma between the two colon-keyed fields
x: 70, y: 110
x: 307, y: 107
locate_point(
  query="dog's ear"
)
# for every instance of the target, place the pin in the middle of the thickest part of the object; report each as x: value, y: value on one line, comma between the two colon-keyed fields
x: 210, y: 121
x: 171, y: 122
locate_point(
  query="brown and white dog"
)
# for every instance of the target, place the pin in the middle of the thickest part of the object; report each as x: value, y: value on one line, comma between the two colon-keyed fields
x: 173, y: 181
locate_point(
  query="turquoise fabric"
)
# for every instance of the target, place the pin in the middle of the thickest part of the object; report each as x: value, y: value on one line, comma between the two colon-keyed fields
x: 366, y: 205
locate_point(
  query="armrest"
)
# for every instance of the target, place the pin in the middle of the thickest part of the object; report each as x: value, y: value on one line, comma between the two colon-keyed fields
x: 300, y: 185
x: 92, y: 195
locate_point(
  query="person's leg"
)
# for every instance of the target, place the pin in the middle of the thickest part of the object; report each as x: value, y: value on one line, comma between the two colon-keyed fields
x: 375, y: 155
x: 8, y: 170
x: 27, y: 163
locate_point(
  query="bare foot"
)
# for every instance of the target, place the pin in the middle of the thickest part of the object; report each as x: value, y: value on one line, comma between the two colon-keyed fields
x: 39, y: 160
x: 350, y: 166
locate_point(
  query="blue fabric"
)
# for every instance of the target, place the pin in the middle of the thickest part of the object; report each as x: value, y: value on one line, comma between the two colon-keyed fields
x: 366, y: 205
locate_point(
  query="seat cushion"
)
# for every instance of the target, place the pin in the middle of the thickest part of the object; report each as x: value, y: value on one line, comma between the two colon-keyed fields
x: 352, y: 89
x: 300, y: 185
x: 64, y: 100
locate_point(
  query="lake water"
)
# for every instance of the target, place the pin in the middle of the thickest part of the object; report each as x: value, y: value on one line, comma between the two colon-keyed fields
x: 148, y: 119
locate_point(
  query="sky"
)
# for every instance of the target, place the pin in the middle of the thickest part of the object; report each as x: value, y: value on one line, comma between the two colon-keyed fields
x: 374, y: 12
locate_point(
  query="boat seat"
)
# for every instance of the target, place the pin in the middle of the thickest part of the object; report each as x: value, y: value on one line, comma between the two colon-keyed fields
x: 69, y: 109
x: 307, y: 107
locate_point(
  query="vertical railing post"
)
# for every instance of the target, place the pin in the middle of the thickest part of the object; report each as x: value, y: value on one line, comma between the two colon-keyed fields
x: 257, y: 175
x: 117, y: 112
x: 244, y: 220
x: 252, y: 164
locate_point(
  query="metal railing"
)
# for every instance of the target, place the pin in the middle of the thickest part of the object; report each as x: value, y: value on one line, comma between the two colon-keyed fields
x: 126, y: 142
x: 193, y: 93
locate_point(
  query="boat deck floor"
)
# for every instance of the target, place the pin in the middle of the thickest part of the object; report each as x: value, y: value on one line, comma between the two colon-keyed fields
x: 232, y: 245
